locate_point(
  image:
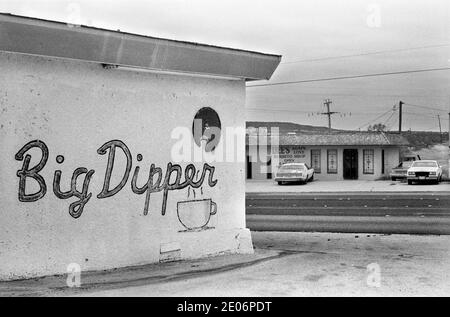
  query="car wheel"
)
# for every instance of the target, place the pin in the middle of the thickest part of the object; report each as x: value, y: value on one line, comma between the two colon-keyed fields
x: 393, y: 179
x: 410, y: 182
x: 312, y: 178
x: 280, y: 183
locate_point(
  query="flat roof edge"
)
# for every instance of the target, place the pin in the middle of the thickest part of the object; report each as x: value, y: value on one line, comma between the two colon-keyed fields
x: 34, y: 36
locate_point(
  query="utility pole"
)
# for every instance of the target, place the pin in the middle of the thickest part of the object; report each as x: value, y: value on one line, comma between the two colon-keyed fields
x: 329, y: 113
x: 400, y: 108
x: 440, y: 128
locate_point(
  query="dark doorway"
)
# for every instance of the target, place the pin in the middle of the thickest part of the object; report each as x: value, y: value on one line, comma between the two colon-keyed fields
x: 269, y: 169
x: 248, y: 167
x: 350, y: 164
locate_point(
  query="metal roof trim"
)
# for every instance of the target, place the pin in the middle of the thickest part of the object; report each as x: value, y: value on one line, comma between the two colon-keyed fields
x: 34, y: 36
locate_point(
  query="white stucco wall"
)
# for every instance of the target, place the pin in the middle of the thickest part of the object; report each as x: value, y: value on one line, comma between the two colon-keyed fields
x: 75, y: 107
x: 392, y: 158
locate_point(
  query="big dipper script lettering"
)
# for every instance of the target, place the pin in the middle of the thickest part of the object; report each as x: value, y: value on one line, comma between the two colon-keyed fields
x: 157, y: 181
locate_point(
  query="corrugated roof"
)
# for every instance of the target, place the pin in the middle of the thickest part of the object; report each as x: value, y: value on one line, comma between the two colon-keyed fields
x: 343, y: 138
x: 55, y: 39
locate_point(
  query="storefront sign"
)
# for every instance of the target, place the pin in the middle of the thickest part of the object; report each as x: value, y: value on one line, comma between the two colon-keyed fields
x: 290, y: 154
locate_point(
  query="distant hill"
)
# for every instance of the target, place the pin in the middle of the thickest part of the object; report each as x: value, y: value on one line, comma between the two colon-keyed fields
x: 288, y: 126
x: 417, y: 139
x: 423, y: 139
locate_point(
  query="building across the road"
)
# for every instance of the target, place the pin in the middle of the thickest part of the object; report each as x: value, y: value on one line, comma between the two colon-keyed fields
x: 334, y: 156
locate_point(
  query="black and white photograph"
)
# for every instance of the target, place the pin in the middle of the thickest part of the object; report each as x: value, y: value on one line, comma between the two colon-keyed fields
x: 224, y: 154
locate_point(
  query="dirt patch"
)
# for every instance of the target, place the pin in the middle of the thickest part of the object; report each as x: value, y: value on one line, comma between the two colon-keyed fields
x: 314, y: 277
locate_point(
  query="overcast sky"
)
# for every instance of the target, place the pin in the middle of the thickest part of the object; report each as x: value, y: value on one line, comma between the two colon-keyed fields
x: 313, y: 37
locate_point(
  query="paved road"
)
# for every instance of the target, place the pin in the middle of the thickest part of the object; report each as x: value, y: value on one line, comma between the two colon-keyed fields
x: 414, y: 213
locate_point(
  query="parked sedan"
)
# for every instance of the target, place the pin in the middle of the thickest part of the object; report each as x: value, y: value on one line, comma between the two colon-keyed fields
x: 401, y: 170
x: 425, y: 170
x: 294, y: 172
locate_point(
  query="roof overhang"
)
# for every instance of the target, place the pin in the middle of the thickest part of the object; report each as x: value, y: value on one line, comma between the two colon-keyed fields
x: 33, y: 36
x: 353, y: 138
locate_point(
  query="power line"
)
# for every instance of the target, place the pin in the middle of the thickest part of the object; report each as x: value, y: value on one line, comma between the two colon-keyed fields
x: 390, y: 117
x: 380, y: 116
x: 364, y: 94
x: 302, y: 111
x: 276, y: 110
x: 354, y: 113
x: 425, y: 107
x: 391, y: 125
x: 351, y: 77
x: 420, y: 114
x: 362, y: 54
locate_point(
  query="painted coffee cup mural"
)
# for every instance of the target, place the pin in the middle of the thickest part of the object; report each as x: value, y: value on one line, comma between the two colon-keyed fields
x: 196, y: 214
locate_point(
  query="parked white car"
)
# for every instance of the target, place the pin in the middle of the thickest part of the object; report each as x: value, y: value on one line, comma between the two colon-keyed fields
x: 294, y: 172
x: 424, y: 170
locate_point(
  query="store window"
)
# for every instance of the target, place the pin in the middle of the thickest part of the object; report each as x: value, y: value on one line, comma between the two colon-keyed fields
x: 368, y: 161
x: 332, y: 162
x: 315, y: 160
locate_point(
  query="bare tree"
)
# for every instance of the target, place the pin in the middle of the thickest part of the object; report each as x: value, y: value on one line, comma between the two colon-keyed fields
x: 379, y: 127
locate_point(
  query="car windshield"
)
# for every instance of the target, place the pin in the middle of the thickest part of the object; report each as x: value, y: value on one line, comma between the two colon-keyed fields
x: 406, y: 164
x: 292, y: 167
x: 424, y: 164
